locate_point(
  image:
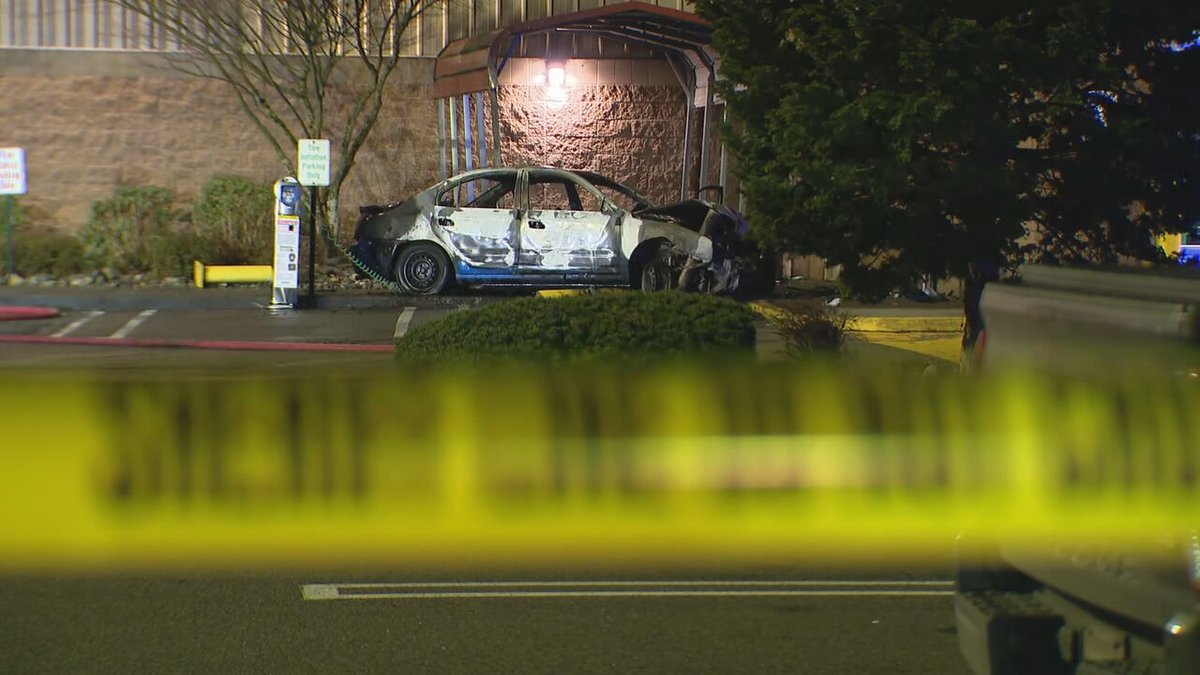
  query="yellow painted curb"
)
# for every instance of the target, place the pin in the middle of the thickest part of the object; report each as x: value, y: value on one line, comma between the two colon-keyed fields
x: 943, y: 346
x: 878, y: 324
x: 568, y: 292
x: 905, y: 324
x: 768, y: 311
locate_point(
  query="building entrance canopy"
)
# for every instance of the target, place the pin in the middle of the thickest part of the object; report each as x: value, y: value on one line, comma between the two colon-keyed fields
x: 470, y: 68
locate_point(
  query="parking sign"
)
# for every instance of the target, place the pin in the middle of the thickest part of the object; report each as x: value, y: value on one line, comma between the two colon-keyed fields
x: 12, y: 171
x: 313, y: 161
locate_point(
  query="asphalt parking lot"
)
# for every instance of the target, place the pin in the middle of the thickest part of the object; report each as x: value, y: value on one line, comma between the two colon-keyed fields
x: 802, y: 617
x: 205, y: 328
x: 364, y: 327
x: 176, y: 326
x: 750, y: 622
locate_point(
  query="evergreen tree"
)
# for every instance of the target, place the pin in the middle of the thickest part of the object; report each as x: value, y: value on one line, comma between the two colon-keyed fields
x: 899, y: 139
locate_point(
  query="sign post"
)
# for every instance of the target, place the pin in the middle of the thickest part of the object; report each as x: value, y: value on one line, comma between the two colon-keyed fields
x: 12, y: 182
x: 286, y: 277
x: 313, y: 162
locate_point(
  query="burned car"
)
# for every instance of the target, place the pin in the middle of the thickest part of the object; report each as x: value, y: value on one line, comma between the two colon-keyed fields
x: 543, y: 227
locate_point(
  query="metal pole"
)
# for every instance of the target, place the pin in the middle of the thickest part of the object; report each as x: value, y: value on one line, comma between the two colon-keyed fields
x: 312, y: 247
x: 442, y: 136
x: 468, y: 145
x: 687, y: 144
x: 12, y: 250
x: 496, y: 128
x: 481, y: 130
x: 724, y: 156
x: 689, y: 95
x: 468, y: 134
x: 704, y: 153
x: 453, y: 137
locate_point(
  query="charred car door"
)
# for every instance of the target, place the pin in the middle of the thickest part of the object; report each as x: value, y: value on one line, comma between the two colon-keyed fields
x: 476, y: 218
x: 565, y: 231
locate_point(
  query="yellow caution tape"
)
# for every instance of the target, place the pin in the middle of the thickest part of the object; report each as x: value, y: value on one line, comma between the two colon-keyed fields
x: 521, y: 465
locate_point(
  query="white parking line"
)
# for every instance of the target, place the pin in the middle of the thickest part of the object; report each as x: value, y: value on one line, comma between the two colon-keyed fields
x: 624, y: 589
x: 75, y: 325
x: 403, y: 320
x: 133, y: 323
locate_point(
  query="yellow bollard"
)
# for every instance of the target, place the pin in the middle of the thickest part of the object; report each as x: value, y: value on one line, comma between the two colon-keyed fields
x: 230, y: 274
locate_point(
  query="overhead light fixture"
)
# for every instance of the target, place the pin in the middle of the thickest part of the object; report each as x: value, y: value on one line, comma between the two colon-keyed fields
x: 557, y: 83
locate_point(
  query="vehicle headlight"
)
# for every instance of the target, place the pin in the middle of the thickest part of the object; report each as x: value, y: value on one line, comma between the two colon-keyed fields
x: 704, y: 250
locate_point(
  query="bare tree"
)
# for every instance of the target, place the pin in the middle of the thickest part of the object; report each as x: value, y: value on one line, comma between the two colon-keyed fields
x: 299, y: 68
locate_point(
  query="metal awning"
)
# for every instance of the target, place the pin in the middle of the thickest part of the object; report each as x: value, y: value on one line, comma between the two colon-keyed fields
x: 470, y: 68
x: 473, y: 64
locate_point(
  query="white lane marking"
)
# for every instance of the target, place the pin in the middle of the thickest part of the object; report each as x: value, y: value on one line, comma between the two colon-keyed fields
x: 319, y: 591
x: 403, y: 320
x: 133, y: 323
x: 77, y: 323
x: 635, y: 584
x: 624, y: 589
x: 328, y: 592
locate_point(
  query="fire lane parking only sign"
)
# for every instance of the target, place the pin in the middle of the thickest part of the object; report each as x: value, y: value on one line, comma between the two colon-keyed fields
x: 12, y: 171
x: 313, y: 162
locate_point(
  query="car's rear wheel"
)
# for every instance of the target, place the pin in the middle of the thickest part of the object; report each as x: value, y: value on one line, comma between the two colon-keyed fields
x: 423, y: 269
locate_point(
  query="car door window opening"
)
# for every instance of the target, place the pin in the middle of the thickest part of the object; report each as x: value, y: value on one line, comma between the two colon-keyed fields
x: 550, y: 192
x: 481, y: 193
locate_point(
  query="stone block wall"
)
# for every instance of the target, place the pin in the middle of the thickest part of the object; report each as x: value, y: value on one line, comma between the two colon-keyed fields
x: 631, y: 133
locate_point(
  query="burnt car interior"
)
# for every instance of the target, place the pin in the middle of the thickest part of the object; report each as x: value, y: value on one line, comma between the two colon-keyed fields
x: 619, y: 193
x: 546, y: 192
x: 491, y: 192
x: 553, y: 193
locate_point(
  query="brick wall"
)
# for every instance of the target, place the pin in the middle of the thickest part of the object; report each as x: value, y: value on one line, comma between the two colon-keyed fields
x: 90, y: 121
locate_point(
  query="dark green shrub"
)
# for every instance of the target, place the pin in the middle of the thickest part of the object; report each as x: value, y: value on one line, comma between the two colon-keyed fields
x: 44, y: 253
x: 126, y: 231
x: 603, y: 326
x: 872, y: 284
x: 173, y: 254
x: 39, y: 250
x: 237, y: 216
x: 811, y: 328
x: 20, y: 214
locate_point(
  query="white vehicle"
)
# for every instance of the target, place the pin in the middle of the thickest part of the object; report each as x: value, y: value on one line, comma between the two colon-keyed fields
x: 544, y: 227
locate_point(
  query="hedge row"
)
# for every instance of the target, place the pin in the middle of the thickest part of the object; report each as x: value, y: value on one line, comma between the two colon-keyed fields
x: 595, y: 327
x: 141, y: 229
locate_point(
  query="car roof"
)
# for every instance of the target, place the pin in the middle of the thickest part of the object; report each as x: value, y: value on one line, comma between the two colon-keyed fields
x: 593, y: 177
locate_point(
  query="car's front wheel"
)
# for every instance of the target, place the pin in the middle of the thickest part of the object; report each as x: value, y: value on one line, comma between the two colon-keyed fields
x: 423, y: 269
x: 656, y: 273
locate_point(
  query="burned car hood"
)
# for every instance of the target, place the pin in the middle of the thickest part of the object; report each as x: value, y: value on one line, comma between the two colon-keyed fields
x: 694, y: 213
